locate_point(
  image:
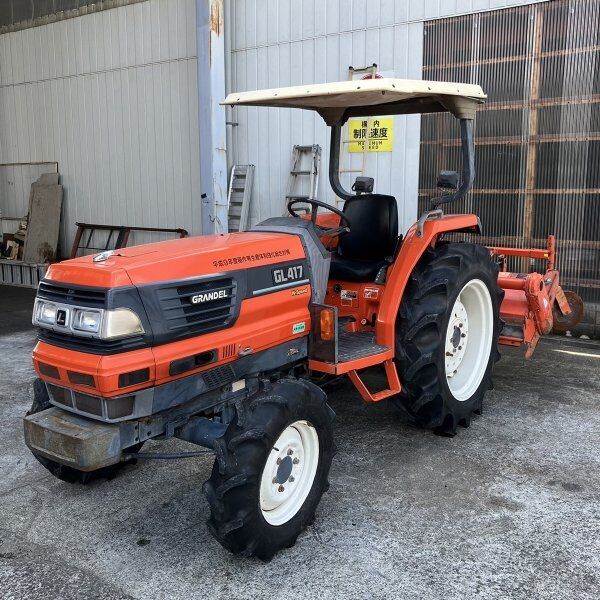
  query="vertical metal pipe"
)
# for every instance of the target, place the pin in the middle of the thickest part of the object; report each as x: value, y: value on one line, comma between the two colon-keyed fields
x: 334, y: 163
x: 210, y: 44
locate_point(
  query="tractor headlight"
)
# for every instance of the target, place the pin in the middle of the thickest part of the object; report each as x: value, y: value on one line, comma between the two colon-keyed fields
x: 107, y: 324
x: 44, y: 313
x: 119, y: 323
x: 87, y: 320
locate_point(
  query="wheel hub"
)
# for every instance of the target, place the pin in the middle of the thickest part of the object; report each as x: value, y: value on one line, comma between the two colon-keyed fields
x: 284, y: 470
x: 469, y: 336
x: 289, y: 472
x: 456, y: 338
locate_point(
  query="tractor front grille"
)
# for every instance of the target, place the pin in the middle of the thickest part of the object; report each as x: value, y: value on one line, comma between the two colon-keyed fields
x: 67, y: 294
x: 198, y: 307
x: 105, y: 409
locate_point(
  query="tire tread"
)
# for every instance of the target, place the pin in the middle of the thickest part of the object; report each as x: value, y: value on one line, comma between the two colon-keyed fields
x: 426, y: 302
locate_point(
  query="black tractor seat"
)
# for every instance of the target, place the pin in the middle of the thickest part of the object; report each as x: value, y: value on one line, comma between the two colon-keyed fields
x: 347, y: 269
x: 372, y: 239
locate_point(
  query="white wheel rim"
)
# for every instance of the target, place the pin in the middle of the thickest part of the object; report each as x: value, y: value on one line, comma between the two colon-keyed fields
x: 469, y: 339
x: 289, y: 472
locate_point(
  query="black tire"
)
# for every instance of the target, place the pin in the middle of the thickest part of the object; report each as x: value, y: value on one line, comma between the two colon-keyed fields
x: 421, y: 328
x: 41, y: 402
x: 233, y: 490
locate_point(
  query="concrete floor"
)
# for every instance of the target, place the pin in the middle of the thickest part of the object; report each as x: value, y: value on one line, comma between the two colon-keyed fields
x: 507, y: 509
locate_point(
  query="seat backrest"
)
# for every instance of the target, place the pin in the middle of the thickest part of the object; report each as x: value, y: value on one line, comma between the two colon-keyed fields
x: 374, y: 227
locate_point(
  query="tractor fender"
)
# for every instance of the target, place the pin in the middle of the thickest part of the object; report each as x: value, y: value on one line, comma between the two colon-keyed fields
x: 419, y: 237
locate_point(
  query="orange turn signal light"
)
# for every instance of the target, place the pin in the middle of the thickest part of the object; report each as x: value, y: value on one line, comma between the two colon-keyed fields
x: 327, y: 325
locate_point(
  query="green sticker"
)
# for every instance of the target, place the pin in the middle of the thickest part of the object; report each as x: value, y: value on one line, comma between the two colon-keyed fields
x: 299, y: 327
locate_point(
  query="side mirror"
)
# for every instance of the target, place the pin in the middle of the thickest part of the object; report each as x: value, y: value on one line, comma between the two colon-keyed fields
x: 448, y: 180
x: 363, y: 185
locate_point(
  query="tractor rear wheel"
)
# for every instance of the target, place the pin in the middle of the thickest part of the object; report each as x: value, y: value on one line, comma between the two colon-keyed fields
x: 271, y: 469
x: 41, y: 402
x: 447, y: 336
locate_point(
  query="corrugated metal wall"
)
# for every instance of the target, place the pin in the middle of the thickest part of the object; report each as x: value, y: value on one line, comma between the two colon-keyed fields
x: 537, y: 137
x: 112, y: 97
x: 284, y: 42
x: 20, y: 14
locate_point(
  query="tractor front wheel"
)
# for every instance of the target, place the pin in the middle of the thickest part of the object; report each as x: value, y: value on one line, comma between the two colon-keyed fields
x: 271, y: 469
x: 447, y: 336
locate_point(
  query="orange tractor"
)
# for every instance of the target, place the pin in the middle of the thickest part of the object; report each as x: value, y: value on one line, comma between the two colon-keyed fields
x: 221, y: 340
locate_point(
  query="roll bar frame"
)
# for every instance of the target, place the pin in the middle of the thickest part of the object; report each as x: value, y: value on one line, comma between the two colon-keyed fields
x: 467, y: 170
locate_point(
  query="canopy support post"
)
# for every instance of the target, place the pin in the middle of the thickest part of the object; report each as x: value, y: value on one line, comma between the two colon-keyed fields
x: 334, y: 163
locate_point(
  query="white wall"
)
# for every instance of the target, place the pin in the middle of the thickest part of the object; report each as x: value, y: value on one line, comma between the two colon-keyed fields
x: 289, y: 42
x: 112, y: 96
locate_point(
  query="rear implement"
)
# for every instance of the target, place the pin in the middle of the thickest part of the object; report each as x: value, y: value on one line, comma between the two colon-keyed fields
x: 534, y: 304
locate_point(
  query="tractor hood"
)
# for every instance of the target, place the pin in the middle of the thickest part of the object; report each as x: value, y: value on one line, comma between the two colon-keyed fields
x: 178, y: 259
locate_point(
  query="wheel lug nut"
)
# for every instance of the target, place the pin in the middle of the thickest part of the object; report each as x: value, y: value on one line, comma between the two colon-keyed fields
x: 463, y: 335
x: 280, y: 488
x: 290, y: 452
x: 278, y: 461
x: 291, y: 480
x: 460, y: 324
x: 274, y: 479
x: 296, y: 461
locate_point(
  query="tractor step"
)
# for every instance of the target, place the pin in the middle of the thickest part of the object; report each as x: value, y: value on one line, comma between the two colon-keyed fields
x: 354, y: 350
x: 392, y: 389
x: 359, y: 344
x: 335, y: 350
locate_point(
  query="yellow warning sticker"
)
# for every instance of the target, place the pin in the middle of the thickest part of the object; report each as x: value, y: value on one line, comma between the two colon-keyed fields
x: 377, y: 131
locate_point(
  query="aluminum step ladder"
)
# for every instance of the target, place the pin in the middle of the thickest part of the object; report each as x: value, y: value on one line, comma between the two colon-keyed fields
x: 238, y: 198
x: 300, y: 169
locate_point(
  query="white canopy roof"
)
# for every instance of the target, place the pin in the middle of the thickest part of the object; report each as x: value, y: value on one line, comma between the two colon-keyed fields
x: 343, y: 99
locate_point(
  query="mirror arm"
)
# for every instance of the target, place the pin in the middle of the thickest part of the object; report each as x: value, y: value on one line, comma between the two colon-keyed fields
x: 468, y: 164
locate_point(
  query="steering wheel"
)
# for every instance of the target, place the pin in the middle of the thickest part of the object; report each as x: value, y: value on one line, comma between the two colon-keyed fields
x: 315, y: 204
